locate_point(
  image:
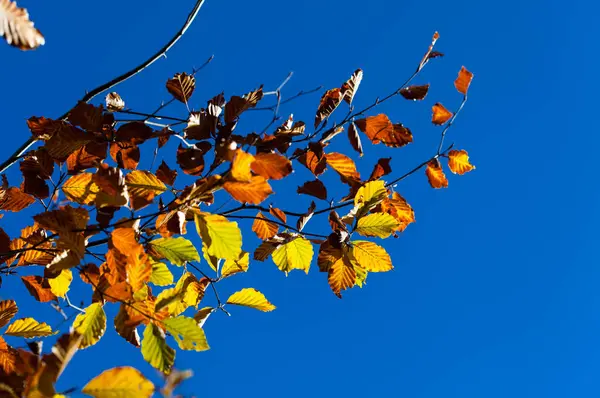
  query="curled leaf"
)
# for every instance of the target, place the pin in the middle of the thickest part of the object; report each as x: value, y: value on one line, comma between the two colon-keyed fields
x: 16, y: 27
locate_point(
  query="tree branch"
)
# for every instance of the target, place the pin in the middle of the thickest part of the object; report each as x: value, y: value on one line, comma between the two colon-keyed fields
x: 117, y: 80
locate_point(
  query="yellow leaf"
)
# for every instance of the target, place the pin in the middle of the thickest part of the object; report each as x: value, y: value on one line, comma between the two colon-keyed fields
x: 240, y: 167
x: 341, y: 276
x: 371, y: 256
x: 8, y: 309
x: 91, y: 325
x: 139, y: 269
x: 231, y: 267
x: 222, y: 237
x: 177, y: 250
x: 369, y: 196
x: 296, y: 254
x: 263, y: 228
x: 122, y: 382
x: 252, y: 298
x: 81, y: 189
x: 381, y: 225
x: 28, y: 328
x: 211, y: 260
x: 458, y: 161
x: 187, y: 333
x: 60, y: 285
x: 155, y: 349
x: 161, y: 275
x: 142, y: 187
x: 187, y: 293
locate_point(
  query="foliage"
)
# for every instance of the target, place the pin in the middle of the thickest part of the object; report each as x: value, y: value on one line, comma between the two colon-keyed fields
x: 88, y: 180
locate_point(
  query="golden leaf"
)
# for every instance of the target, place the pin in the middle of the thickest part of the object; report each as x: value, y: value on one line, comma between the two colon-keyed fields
x: 380, y: 225
x: 254, y: 191
x: 28, y: 328
x: 463, y: 81
x: 435, y: 174
x: 341, y: 276
x: 263, y: 228
x: 122, y: 382
x: 458, y: 162
x: 440, y: 114
x: 295, y: 254
x: 81, y: 189
x: 271, y: 166
x: 371, y: 256
x: 252, y: 298
x: 8, y: 309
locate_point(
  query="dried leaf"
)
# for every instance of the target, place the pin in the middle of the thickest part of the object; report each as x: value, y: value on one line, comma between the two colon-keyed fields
x: 143, y: 187
x: 329, y: 101
x: 254, y: 191
x: 415, y: 93
x: 354, y: 139
x: 458, y: 161
x: 277, y: 213
x: 263, y: 228
x: 380, y: 129
x: 16, y: 27
x: 314, y: 188
x: 440, y: 114
x: 8, y: 309
x: 314, y: 163
x: 191, y: 160
x: 435, y: 174
x: 271, y: 166
x: 349, y: 88
x: 344, y: 166
x: 382, y: 168
x: 181, y: 86
x: 166, y: 174
x: 463, y: 81
x: 114, y: 102
x: 429, y: 54
x: 39, y: 288
x: 302, y: 220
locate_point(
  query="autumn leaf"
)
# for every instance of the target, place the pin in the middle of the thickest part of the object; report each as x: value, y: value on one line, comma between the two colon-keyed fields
x: 382, y: 168
x: 271, y: 166
x: 458, y: 162
x: 354, y: 138
x: 155, y: 349
x: 142, y: 187
x: 344, y: 166
x: 314, y: 188
x: 222, y: 237
x: 81, y: 189
x: 123, y: 382
x: 161, y: 275
x: 314, y: 163
x: 240, y: 166
x: 191, y: 160
x: 430, y: 53
x: 415, y: 93
x: 176, y: 250
x: 165, y: 174
x: 329, y: 102
x: 263, y: 228
x: 39, y: 288
x: 232, y: 267
x: 114, y: 102
x: 399, y: 209
x: 254, y: 191
x: 60, y: 284
x: 16, y: 27
x: 440, y: 114
x: 368, y: 196
x: 463, y: 81
x: 295, y: 254
x: 252, y: 298
x: 238, y: 105
x: 187, y: 333
x: 181, y: 86
x: 15, y: 200
x: 139, y: 269
x: 278, y: 213
x: 371, y: 256
x: 341, y: 276
x: 349, y: 88
x: 91, y: 325
x: 8, y: 309
x: 380, y: 129
x: 435, y: 174
x: 28, y: 328
x: 380, y: 225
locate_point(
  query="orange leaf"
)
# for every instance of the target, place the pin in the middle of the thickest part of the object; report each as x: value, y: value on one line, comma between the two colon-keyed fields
x: 90, y: 155
x: 240, y: 167
x: 8, y: 309
x: 169, y: 224
x: 458, y: 161
x: 341, y: 276
x: 463, y: 81
x: 39, y: 288
x: 263, y: 228
x: 329, y: 101
x: 314, y: 163
x: 124, y: 240
x: 435, y: 174
x: 126, y: 154
x: 314, y: 188
x: 380, y: 129
x: 8, y: 359
x: 271, y: 166
x: 65, y: 141
x: 381, y: 169
x: 139, y: 269
x: 254, y: 191
x: 344, y: 166
x: 415, y: 93
x: 350, y: 87
x: 430, y: 53
x: 399, y: 209
x: 275, y: 212
x: 440, y: 114
x: 13, y: 199
x: 181, y: 86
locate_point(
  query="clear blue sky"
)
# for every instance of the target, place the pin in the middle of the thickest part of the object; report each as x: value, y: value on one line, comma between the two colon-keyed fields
x: 495, y: 291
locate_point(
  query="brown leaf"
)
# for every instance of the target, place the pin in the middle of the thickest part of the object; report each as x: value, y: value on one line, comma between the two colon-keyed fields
x: 39, y: 288
x: 458, y: 161
x: 181, y: 86
x: 302, y: 220
x: 314, y: 188
x: 90, y: 274
x: 380, y: 129
x: 335, y: 222
x: 463, y: 81
x: 238, y: 105
x: 33, y: 178
x: 435, y: 174
x: 263, y: 228
x: 16, y: 27
x: 191, y: 160
x: 166, y: 174
x: 199, y: 126
x: 275, y: 212
x: 415, y: 93
x: 65, y: 141
x: 90, y: 155
x: 350, y: 87
x: 133, y: 133
x: 15, y: 200
x: 87, y: 116
x: 399, y: 209
x: 440, y: 114
x: 43, y: 128
x: 254, y: 191
x: 329, y: 101
x: 381, y: 169
x: 312, y: 162
x: 429, y: 54
x: 8, y: 309
x: 114, y: 102
x: 126, y: 155
x: 112, y: 191
x: 354, y: 138
x: 271, y: 166
x: 172, y: 223
x: 264, y: 250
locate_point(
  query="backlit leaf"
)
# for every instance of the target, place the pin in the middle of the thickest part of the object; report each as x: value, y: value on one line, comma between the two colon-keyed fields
x: 344, y: 166
x: 14, y: 199
x: 341, y: 276
x: 295, y: 254
x: 349, y: 88
x: 252, y: 298
x: 39, y: 288
x: 354, y: 138
x: 314, y: 188
x: 177, y: 250
x: 28, y: 328
x: 8, y: 309
x: 232, y: 267
x: 380, y: 225
x: 271, y: 166
x: 371, y: 256
x: 91, y: 325
x: 187, y: 333
x: 139, y: 269
x: 81, y: 189
x: 435, y: 174
x: 166, y: 174
x: 240, y: 166
x: 399, y: 209
x: 16, y: 27
x: 329, y: 101
x: 61, y: 283
x: 415, y: 93
x: 191, y: 160
x: 277, y: 213
x: 314, y: 163
x: 430, y: 53
x: 254, y: 191
x: 143, y: 186
x: 382, y: 168
x: 263, y: 228
x: 440, y: 114
x: 222, y: 237
x: 114, y: 102
x: 155, y: 349
x: 463, y: 81
x: 458, y: 162
x: 161, y: 275
x: 370, y: 194
x: 380, y: 129
x: 181, y: 86
x: 122, y: 382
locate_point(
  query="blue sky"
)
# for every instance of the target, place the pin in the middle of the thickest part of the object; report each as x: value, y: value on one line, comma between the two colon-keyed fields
x: 494, y: 293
